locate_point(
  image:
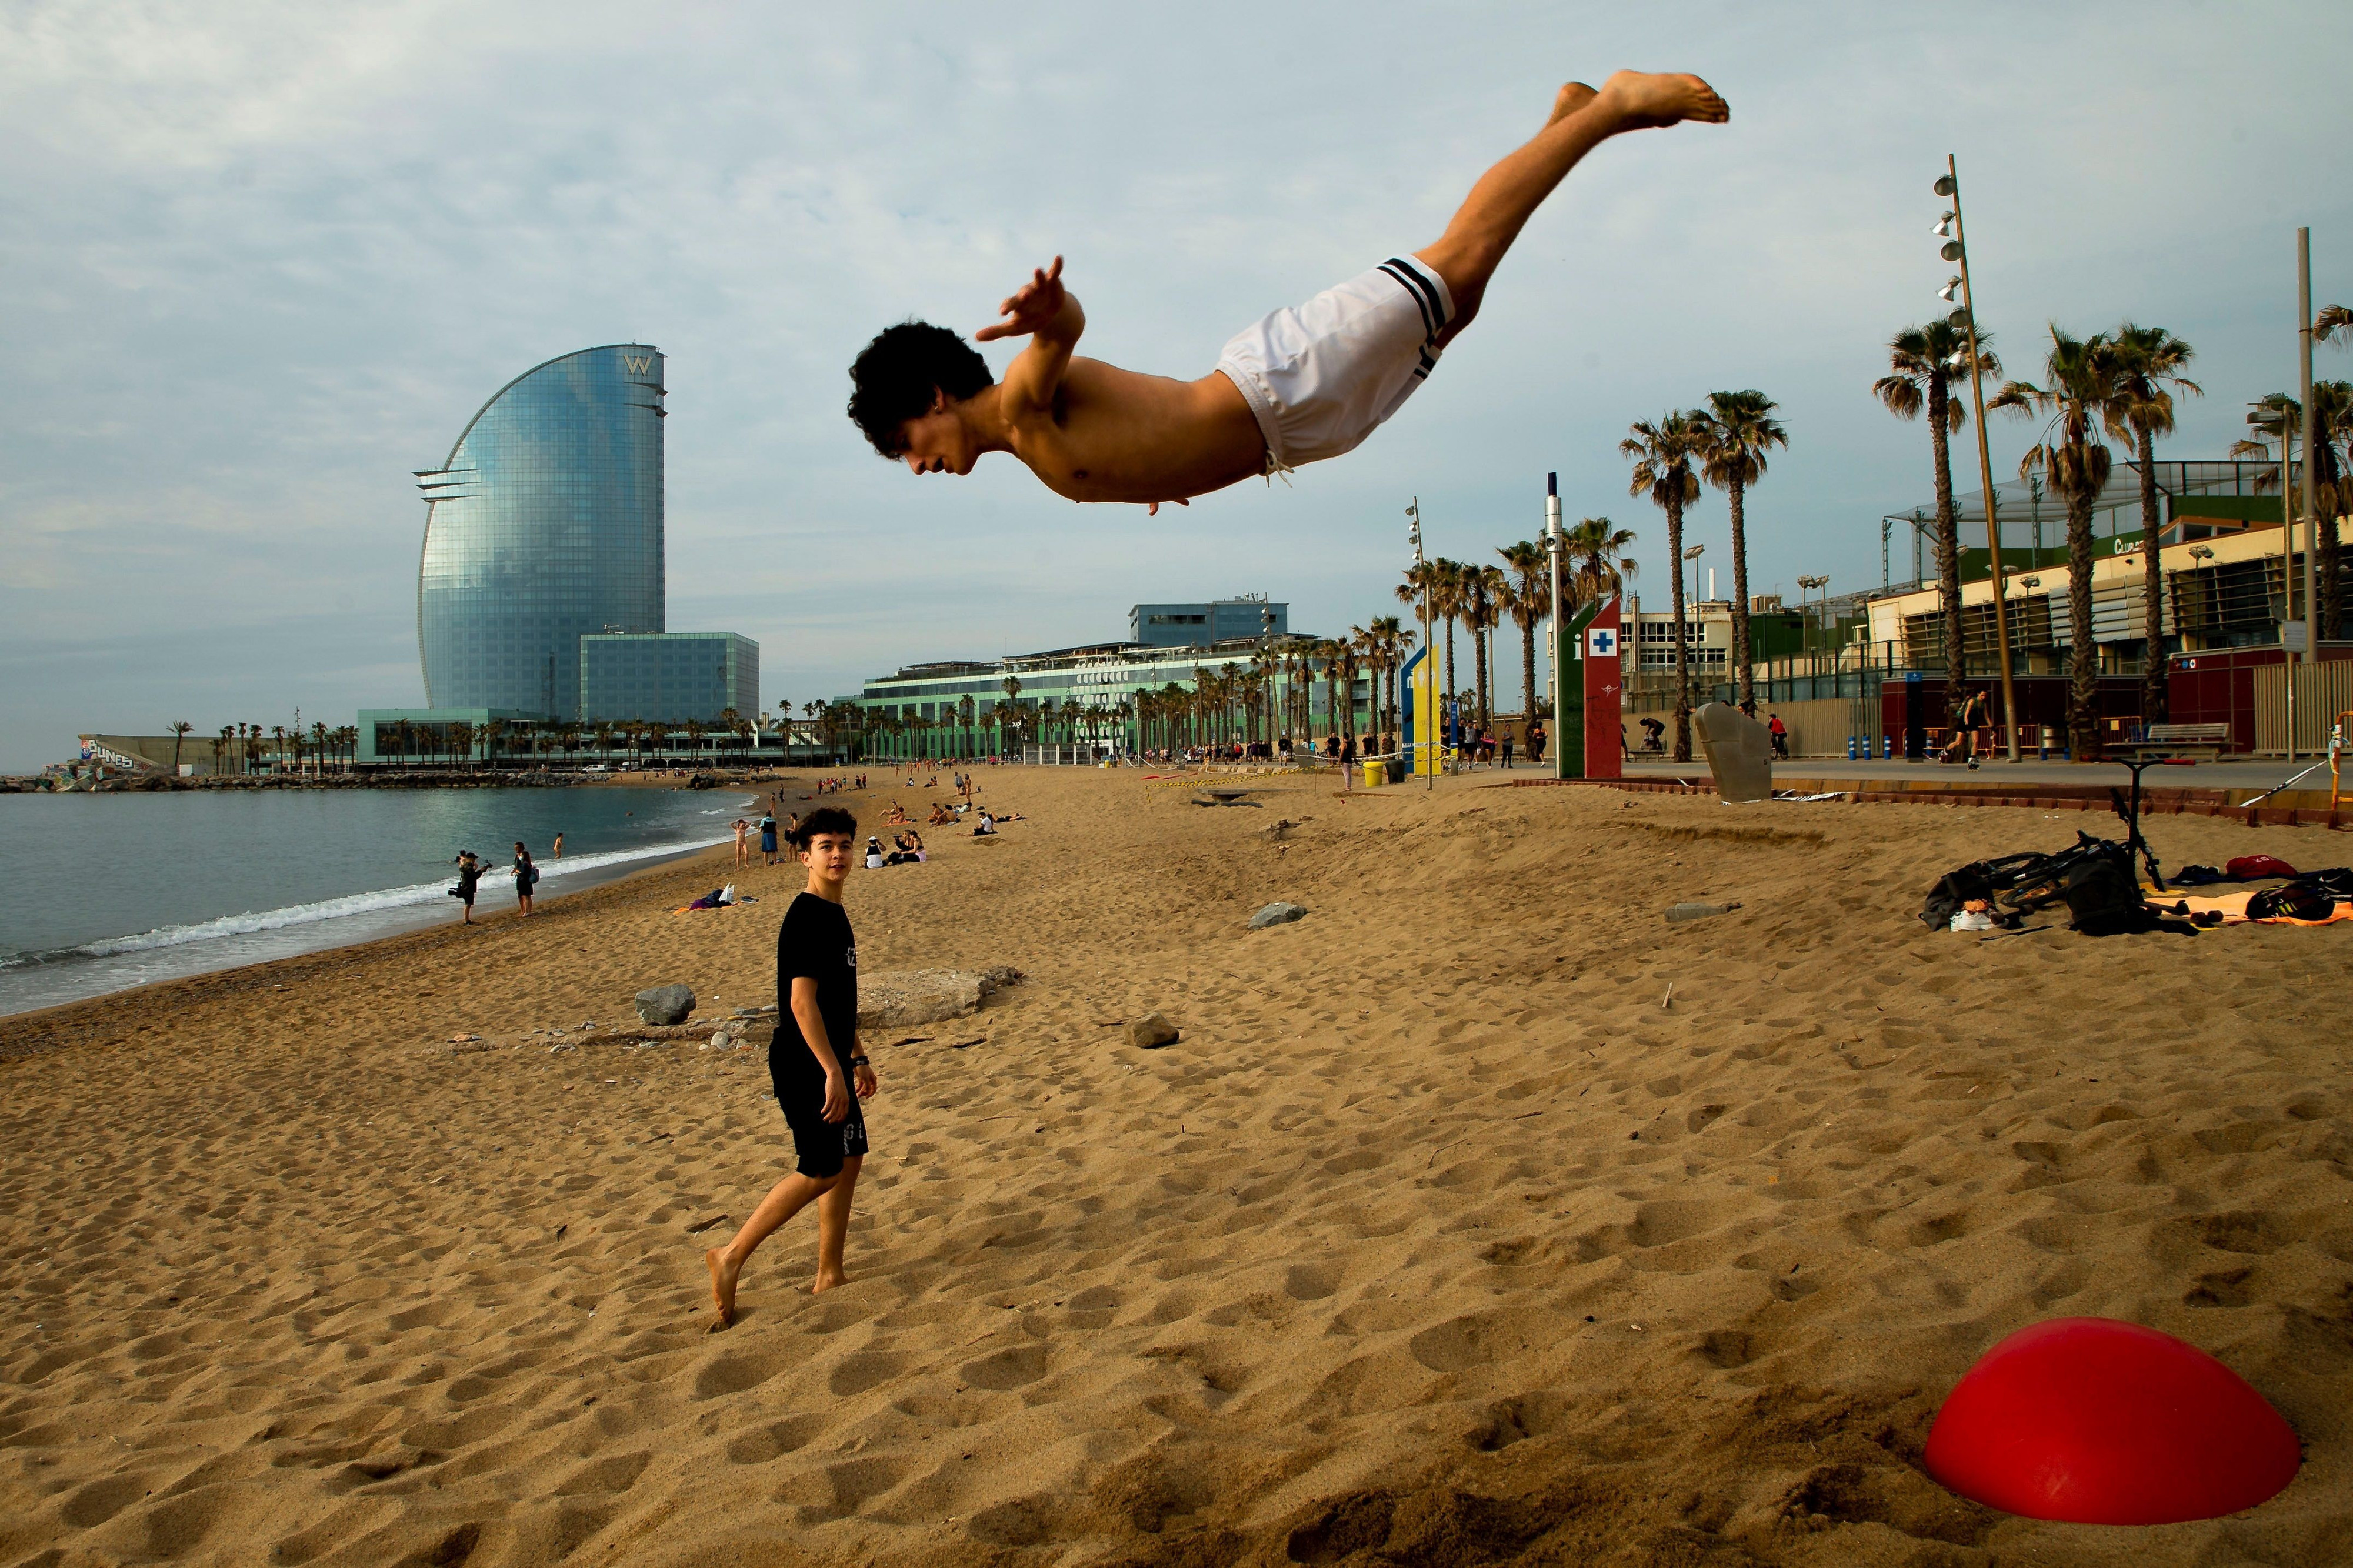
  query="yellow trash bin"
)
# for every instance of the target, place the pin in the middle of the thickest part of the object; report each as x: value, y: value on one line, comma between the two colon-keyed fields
x: 1376, y: 773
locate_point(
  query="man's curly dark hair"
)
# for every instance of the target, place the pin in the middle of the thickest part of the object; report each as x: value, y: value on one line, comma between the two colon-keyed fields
x: 894, y: 378
x: 824, y: 819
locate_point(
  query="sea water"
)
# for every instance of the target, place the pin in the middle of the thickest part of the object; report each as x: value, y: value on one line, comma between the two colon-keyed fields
x: 102, y: 892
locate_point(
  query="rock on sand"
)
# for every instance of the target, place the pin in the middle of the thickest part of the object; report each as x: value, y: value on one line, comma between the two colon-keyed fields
x: 666, y: 1004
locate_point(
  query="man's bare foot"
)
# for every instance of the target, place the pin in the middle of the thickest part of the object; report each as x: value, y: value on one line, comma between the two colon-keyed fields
x: 1640, y: 99
x: 722, y: 1284
x: 1572, y: 96
x: 828, y: 1281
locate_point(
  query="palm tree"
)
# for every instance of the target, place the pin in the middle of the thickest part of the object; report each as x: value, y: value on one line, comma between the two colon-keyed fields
x: 2279, y: 417
x: 2083, y: 396
x: 2331, y: 453
x: 1741, y: 428
x: 1484, y: 589
x: 695, y: 731
x: 493, y: 732
x: 1529, y: 601
x: 1925, y: 364
x: 1663, y: 454
x: 180, y: 729
x: 1594, y: 559
x: 2147, y: 359
x: 461, y: 741
x: 1446, y: 608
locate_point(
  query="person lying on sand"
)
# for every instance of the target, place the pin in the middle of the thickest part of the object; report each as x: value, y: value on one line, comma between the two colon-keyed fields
x: 1302, y: 385
x: 816, y: 989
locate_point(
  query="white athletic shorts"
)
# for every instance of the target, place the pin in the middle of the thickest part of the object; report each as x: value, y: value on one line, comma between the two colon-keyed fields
x: 1322, y: 375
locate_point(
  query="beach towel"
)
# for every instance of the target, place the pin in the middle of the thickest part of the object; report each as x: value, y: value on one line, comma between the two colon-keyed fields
x: 2233, y: 908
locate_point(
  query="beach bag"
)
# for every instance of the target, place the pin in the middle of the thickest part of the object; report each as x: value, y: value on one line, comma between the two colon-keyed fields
x: 2254, y: 868
x: 1953, y: 889
x: 2103, y: 897
x: 2298, y: 901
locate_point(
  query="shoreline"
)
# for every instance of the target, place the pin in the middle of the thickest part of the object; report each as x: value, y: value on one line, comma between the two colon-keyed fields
x: 365, y: 947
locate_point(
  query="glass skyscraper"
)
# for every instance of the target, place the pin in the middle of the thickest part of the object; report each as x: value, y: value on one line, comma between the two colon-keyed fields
x: 544, y: 524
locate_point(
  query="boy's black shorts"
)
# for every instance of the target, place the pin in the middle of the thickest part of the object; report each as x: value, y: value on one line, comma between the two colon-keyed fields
x: 822, y: 1146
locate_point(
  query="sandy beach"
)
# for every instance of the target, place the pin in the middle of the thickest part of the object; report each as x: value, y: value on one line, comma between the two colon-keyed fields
x: 1480, y: 1216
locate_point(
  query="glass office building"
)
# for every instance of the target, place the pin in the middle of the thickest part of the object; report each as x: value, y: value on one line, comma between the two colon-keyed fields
x: 668, y: 677
x: 544, y: 525
x: 1207, y: 622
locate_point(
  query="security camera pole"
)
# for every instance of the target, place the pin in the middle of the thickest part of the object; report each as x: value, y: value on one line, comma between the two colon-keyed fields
x: 1958, y: 249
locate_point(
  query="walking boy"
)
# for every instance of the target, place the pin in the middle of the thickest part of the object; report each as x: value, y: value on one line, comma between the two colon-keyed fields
x: 814, y: 1062
x: 1301, y: 385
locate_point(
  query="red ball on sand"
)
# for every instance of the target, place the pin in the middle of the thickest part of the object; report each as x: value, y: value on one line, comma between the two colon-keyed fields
x: 2101, y: 1422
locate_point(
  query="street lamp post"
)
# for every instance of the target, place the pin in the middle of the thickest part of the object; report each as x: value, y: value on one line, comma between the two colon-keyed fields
x: 1553, y: 537
x: 1956, y: 249
x: 2311, y: 512
x: 1683, y: 639
x: 1805, y: 617
x: 1422, y: 575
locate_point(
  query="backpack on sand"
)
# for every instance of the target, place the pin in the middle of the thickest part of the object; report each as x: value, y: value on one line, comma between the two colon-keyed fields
x: 2103, y: 896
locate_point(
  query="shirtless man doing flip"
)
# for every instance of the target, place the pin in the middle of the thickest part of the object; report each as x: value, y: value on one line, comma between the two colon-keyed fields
x: 1303, y: 385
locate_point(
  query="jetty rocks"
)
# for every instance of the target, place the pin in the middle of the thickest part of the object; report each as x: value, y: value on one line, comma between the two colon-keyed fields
x: 899, y: 997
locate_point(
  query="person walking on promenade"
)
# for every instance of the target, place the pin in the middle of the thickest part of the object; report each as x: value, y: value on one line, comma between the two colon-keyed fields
x: 1779, y: 731
x: 814, y: 1065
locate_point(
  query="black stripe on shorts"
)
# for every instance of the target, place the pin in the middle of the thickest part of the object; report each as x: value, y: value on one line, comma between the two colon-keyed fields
x: 1433, y: 311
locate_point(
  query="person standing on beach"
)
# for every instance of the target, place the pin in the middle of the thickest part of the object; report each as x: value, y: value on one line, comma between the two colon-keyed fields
x: 526, y: 876
x: 767, y: 838
x: 556, y: 853
x: 814, y: 1063
x: 743, y: 842
x: 469, y: 871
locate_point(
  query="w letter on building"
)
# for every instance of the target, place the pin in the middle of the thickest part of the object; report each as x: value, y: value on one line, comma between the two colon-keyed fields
x: 637, y: 363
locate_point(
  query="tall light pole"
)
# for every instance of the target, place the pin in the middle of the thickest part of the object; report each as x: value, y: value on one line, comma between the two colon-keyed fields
x: 1956, y: 249
x: 1553, y: 538
x: 1422, y: 575
x: 1683, y: 639
x: 2311, y: 511
x: 1805, y: 619
x: 1266, y: 666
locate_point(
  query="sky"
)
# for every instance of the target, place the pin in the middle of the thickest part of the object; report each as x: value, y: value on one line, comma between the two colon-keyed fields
x: 259, y: 262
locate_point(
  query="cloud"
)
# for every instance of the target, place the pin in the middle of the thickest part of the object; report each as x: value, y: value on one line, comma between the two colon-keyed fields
x: 259, y: 262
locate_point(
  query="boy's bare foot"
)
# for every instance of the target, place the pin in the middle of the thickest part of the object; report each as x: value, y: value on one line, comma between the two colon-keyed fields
x: 722, y: 1284
x: 1640, y: 99
x: 1572, y: 96
x: 828, y: 1281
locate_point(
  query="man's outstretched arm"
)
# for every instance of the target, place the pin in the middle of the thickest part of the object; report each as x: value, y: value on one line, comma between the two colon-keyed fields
x: 1043, y: 311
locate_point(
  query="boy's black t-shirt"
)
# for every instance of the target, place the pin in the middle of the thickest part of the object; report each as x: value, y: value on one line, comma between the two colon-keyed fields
x: 815, y: 940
